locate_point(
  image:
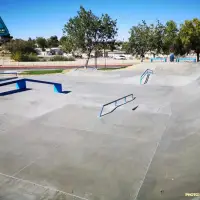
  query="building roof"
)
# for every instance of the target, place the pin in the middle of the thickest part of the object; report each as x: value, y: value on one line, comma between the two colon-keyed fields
x: 3, y: 29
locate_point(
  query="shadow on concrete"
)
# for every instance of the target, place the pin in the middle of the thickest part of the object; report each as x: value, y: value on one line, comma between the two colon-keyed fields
x: 66, y: 92
x: 7, y: 79
x: 135, y: 108
x: 118, y: 107
x: 147, y: 79
x: 14, y: 91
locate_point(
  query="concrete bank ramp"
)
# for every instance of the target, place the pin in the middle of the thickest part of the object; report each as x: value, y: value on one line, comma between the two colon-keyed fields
x: 91, y: 72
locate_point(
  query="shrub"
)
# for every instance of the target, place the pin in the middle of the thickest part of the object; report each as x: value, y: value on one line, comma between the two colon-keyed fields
x: 31, y: 57
x: 19, y: 45
x: 62, y: 58
x: 18, y: 56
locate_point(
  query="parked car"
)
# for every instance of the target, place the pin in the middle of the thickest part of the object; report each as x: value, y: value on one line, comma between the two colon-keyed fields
x: 119, y: 57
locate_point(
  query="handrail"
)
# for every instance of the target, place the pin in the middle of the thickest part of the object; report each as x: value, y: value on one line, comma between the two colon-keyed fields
x: 115, y: 101
x: 147, y: 71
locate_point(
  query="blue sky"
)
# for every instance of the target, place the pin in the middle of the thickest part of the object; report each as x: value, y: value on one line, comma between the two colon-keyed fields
x: 34, y: 18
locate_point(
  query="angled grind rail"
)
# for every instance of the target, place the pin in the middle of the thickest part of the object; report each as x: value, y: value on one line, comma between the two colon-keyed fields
x: 115, y: 101
x: 21, y: 84
x: 146, y: 72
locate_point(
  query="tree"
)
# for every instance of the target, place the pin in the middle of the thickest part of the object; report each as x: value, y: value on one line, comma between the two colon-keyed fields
x: 139, y: 41
x: 171, y: 37
x: 125, y: 47
x: 179, y: 48
x: 19, y: 45
x: 67, y: 44
x: 53, y: 41
x: 41, y: 42
x: 87, y: 31
x: 5, y: 39
x: 156, y: 38
x: 190, y: 35
x: 32, y: 42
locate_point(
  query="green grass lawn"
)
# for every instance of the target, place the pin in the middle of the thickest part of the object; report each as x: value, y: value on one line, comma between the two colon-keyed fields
x: 41, y: 72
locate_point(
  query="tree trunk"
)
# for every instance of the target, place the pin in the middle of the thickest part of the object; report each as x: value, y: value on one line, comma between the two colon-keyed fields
x: 87, y: 61
x: 96, y: 59
x: 198, y: 56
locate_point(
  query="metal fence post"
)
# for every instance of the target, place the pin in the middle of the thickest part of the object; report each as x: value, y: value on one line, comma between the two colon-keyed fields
x: 101, y: 111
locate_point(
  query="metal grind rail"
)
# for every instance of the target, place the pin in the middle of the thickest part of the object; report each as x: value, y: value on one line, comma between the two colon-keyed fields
x: 116, y: 105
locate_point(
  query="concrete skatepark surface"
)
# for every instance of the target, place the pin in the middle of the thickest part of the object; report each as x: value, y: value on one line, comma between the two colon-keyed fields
x: 55, y: 147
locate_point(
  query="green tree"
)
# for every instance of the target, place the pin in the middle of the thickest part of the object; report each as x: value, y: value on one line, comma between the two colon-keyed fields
x: 19, y: 45
x: 87, y: 31
x: 125, y: 47
x: 41, y: 42
x: 5, y: 39
x: 67, y: 44
x: 53, y: 41
x: 156, y: 38
x: 139, y: 41
x: 32, y: 42
x: 170, y: 37
x: 190, y: 35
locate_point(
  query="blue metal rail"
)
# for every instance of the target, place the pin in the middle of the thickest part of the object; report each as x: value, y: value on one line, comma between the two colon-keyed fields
x: 147, y: 72
x: 116, y: 105
x: 21, y: 84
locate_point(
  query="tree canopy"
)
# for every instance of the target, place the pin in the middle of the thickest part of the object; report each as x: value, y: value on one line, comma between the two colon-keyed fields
x: 52, y: 42
x: 87, y: 32
x: 190, y: 35
x: 164, y: 39
x: 19, y: 45
x: 41, y: 42
x: 139, y: 41
x: 67, y: 44
x: 170, y: 37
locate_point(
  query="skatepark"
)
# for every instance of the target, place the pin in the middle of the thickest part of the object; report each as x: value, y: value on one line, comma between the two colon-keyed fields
x: 56, y: 145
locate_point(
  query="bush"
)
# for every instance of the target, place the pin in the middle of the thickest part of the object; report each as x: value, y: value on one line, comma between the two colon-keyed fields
x: 18, y: 45
x: 18, y: 56
x: 62, y: 58
x: 31, y: 57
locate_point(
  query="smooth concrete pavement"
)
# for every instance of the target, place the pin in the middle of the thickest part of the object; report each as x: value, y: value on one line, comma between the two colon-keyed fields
x: 55, y: 146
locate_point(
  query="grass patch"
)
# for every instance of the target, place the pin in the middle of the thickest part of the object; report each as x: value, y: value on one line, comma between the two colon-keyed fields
x: 41, y: 72
x: 110, y: 68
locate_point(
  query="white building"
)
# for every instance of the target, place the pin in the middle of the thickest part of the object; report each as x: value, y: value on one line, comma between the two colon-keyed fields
x: 49, y: 51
